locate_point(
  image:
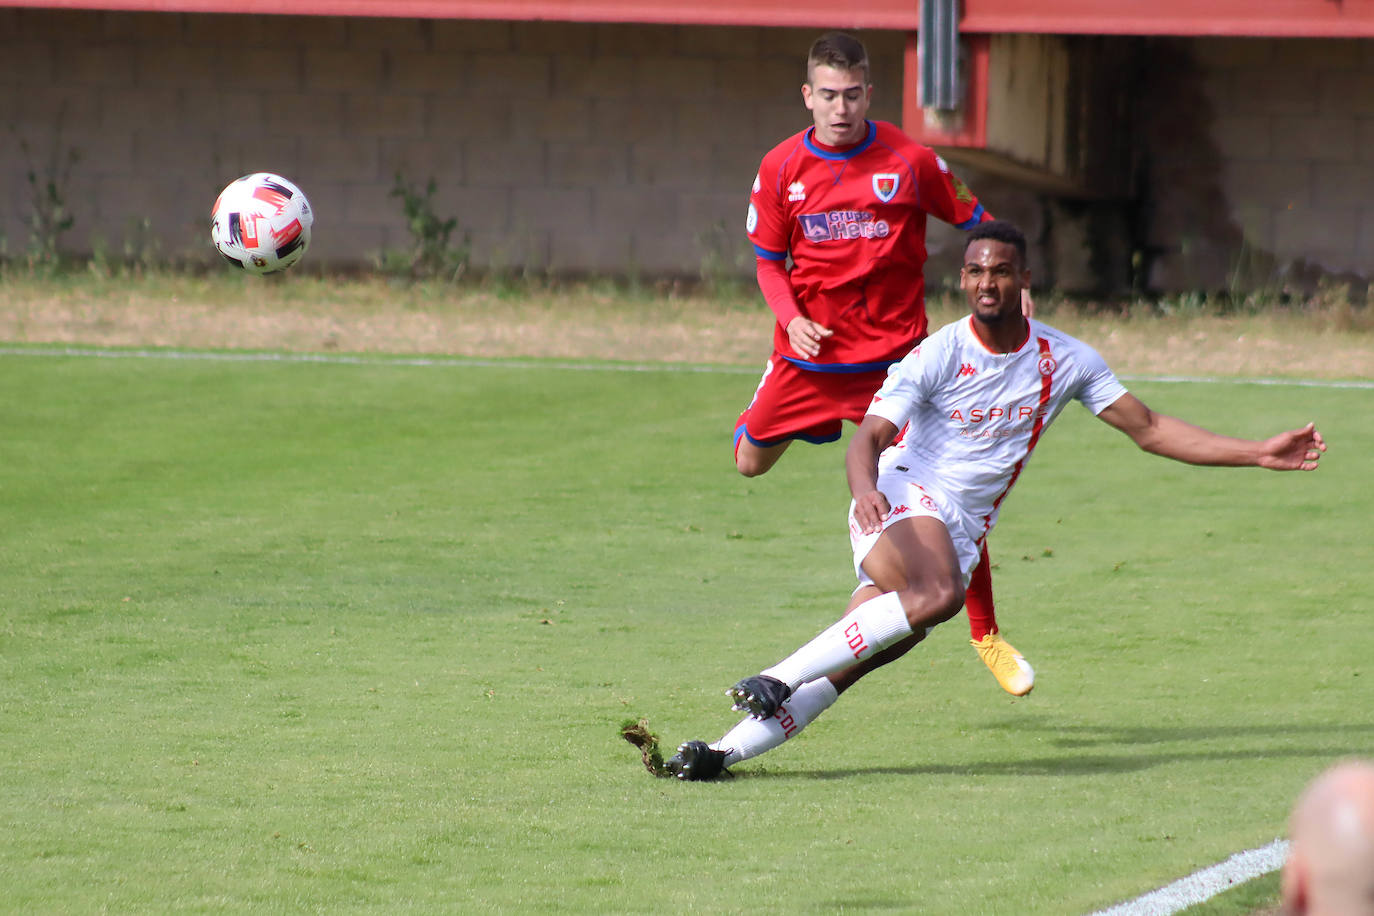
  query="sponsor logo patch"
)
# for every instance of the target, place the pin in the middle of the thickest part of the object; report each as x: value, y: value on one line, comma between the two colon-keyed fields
x: 839, y: 225
x: 961, y: 191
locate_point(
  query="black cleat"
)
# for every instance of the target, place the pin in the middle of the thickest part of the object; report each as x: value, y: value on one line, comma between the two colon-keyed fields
x: 760, y: 695
x: 696, y: 761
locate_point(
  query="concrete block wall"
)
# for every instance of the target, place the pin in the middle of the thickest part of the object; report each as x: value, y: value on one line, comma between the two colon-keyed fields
x: 560, y: 146
x: 615, y: 148
x: 1260, y: 161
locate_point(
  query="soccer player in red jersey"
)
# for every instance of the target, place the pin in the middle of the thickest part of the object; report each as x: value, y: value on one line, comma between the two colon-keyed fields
x: 846, y: 202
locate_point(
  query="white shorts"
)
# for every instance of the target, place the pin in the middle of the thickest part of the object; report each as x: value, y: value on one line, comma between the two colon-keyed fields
x: 909, y: 498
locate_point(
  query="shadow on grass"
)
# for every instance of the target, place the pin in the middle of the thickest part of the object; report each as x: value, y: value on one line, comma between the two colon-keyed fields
x: 1137, y: 748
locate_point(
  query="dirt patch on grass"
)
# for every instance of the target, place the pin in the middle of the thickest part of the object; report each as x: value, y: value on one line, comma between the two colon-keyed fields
x: 304, y: 314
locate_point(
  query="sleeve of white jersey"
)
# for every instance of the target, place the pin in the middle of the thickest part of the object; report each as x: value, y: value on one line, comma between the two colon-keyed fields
x: 905, y: 387
x: 1100, y: 387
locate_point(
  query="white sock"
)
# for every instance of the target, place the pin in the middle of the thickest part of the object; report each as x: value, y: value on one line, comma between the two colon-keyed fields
x: 752, y: 737
x: 876, y: 624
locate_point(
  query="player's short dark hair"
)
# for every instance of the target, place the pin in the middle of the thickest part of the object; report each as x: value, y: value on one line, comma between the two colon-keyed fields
x: 838, y: 50
x: 999, y: 231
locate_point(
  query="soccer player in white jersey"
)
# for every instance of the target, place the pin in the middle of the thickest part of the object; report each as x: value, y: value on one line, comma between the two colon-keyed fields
x: 977, y: 395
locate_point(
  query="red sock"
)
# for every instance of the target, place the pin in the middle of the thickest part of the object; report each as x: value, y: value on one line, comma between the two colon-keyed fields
x: 982, y: 617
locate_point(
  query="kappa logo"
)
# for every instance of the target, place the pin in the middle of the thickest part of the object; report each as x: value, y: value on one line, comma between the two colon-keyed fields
x: 885, y: 185
x: 967, y: 369
x: 796, y: 191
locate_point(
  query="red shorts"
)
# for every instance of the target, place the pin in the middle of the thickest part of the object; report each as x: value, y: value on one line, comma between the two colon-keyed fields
x: 794, y: 403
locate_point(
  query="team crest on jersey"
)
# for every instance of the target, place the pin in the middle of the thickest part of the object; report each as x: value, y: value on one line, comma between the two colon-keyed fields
x: 796, y: 191
x: 1047, y: 365
x: 885, y: 185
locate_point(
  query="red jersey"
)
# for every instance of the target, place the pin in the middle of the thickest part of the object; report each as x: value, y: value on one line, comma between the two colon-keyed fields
x: 853, y: 222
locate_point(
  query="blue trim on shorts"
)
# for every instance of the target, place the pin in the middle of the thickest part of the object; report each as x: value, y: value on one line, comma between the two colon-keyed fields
x: 841, y: 368
x: 740, y: 431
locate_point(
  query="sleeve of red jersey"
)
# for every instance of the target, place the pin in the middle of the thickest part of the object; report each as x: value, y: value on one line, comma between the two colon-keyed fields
x: 776, y: 286
x: 945, y: 196
x: 766, y: 221
x: 766, y: 224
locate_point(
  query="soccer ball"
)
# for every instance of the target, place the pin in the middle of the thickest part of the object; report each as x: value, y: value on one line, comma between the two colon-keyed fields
x: 261, y: 222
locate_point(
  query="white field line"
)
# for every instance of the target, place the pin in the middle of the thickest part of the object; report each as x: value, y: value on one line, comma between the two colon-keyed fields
x: 339, y: 359
x: 1183, y: 893
x: 1205, y: 884
x: 476, y: 362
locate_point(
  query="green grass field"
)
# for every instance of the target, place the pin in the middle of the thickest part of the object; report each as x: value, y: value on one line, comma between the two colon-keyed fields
x: 319, y: 637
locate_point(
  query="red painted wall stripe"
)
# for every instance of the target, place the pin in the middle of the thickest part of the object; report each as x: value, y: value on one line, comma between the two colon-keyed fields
x: 898, y: 15
x: 1259, y: 18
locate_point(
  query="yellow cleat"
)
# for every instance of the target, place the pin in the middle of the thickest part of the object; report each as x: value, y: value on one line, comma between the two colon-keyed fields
x: 1010, y: 667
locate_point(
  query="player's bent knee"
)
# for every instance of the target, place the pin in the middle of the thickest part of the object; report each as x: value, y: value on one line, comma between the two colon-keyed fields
x: 751, y: 467
x: 932, y: 602
x: 753, y: 460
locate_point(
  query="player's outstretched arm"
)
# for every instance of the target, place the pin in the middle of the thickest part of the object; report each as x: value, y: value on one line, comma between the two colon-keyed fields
x: 1160, y: 434
x: 861, y: 467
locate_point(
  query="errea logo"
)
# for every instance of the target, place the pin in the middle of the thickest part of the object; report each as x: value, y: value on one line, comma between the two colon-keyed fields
x: 796, y: 191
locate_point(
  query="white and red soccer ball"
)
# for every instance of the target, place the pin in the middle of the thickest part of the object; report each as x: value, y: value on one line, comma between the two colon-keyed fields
x: 261, y: 223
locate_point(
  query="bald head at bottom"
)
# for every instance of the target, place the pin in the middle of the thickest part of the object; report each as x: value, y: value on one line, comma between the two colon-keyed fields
x: 1330, y: 867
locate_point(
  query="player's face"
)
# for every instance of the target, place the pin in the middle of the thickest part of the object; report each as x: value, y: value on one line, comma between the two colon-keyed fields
x: 838, y: 100
x: 992, y: 279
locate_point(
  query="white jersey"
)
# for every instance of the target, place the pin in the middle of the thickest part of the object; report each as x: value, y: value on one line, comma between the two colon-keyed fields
x: 975, y: 416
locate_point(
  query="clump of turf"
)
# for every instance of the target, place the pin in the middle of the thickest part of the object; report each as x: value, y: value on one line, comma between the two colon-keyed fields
x: 637, y: 733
